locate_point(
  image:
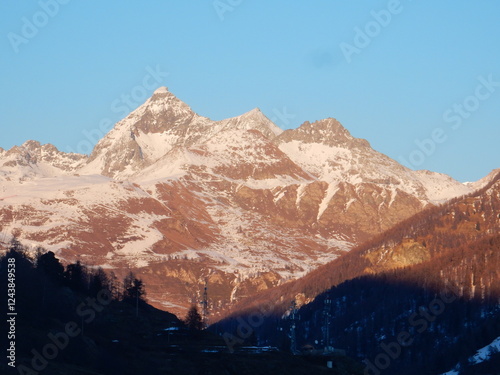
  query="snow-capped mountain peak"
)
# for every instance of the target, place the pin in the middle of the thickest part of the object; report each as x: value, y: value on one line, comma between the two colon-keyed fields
x: 252, y: 120
x: 161, y: 90
x: 33, y: 160
x: 159, y: 125
x: 166, y: 104
x: 328, y: 132
x: 145, y: 135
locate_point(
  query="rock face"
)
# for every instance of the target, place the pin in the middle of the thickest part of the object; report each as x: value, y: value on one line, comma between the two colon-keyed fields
x: 182, y: 199
x: 32, y: 160
x: 446, y: 244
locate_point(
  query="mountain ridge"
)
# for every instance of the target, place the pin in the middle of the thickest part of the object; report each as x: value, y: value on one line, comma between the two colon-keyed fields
x: 238, y: 199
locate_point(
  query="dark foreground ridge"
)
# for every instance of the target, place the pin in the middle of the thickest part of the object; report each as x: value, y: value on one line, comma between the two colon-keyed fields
x: 73, y: 320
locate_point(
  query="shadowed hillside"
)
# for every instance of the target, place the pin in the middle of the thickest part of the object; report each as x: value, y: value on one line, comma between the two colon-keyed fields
x: 76, y: 320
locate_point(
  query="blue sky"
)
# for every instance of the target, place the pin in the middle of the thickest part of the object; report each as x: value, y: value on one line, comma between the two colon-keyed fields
x: 419, y: 80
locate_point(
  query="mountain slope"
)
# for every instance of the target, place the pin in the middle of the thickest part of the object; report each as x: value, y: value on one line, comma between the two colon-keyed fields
x: 433, y: 278
x: 328, y: 151
x: 423, y: 239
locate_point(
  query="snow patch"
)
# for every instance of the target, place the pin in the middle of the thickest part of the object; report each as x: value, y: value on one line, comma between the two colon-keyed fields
x: 482, y: 355
x: 330, y: 192
x: 161, y: 90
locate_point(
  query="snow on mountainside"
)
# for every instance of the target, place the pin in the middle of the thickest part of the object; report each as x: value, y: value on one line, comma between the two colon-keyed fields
x: 328, y: 151
x: 158, y: 126
x: 180, y: 198
x: 483, y: 181
x: 439, y: 187
x: 252, y: 120
x: 145, y: 135
x: 32, y: 160
x: 482, y: 355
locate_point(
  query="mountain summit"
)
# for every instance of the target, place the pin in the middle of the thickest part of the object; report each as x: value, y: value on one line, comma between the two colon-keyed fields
x: 253, y: 119
x: 162, y: 124
x: 145, y: 135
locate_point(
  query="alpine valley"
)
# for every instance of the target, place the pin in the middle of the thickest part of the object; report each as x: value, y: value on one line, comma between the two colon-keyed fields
x: 239, y: 204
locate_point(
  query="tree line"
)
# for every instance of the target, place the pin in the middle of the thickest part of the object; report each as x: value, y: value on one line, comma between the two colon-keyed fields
x: 45, y: 287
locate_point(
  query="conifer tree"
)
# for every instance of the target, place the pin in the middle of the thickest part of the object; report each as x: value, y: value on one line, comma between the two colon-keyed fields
x: 193, y: 319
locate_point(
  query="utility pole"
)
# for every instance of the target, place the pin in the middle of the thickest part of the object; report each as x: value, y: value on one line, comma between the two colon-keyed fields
x: 137, y: 302
x: 326, y: 325
x: 293, y: 338
x: 204, y: 310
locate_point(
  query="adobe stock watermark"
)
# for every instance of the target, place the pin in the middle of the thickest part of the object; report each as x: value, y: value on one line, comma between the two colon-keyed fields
x: 246, y: 327
x: 223, y: 6
x: 363, y: 36
x: 282, y: 117
x: 420, y: 322
x: 31, y: 26
x: 121, y: 107
x: 454, y: 116
x: 59, y: 341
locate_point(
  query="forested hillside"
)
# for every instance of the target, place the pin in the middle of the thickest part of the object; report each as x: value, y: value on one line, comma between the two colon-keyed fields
x: 434, y: 278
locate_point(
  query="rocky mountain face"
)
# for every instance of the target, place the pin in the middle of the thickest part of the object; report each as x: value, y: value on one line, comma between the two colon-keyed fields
x: 434, y: 242
x: 182, y: 199
x: 32, y: 160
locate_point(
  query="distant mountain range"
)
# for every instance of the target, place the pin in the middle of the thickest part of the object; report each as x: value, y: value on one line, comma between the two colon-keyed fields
x: 238, y: 204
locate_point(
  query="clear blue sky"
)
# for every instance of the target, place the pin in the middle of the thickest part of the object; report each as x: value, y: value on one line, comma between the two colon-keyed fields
x: 66, y: 75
